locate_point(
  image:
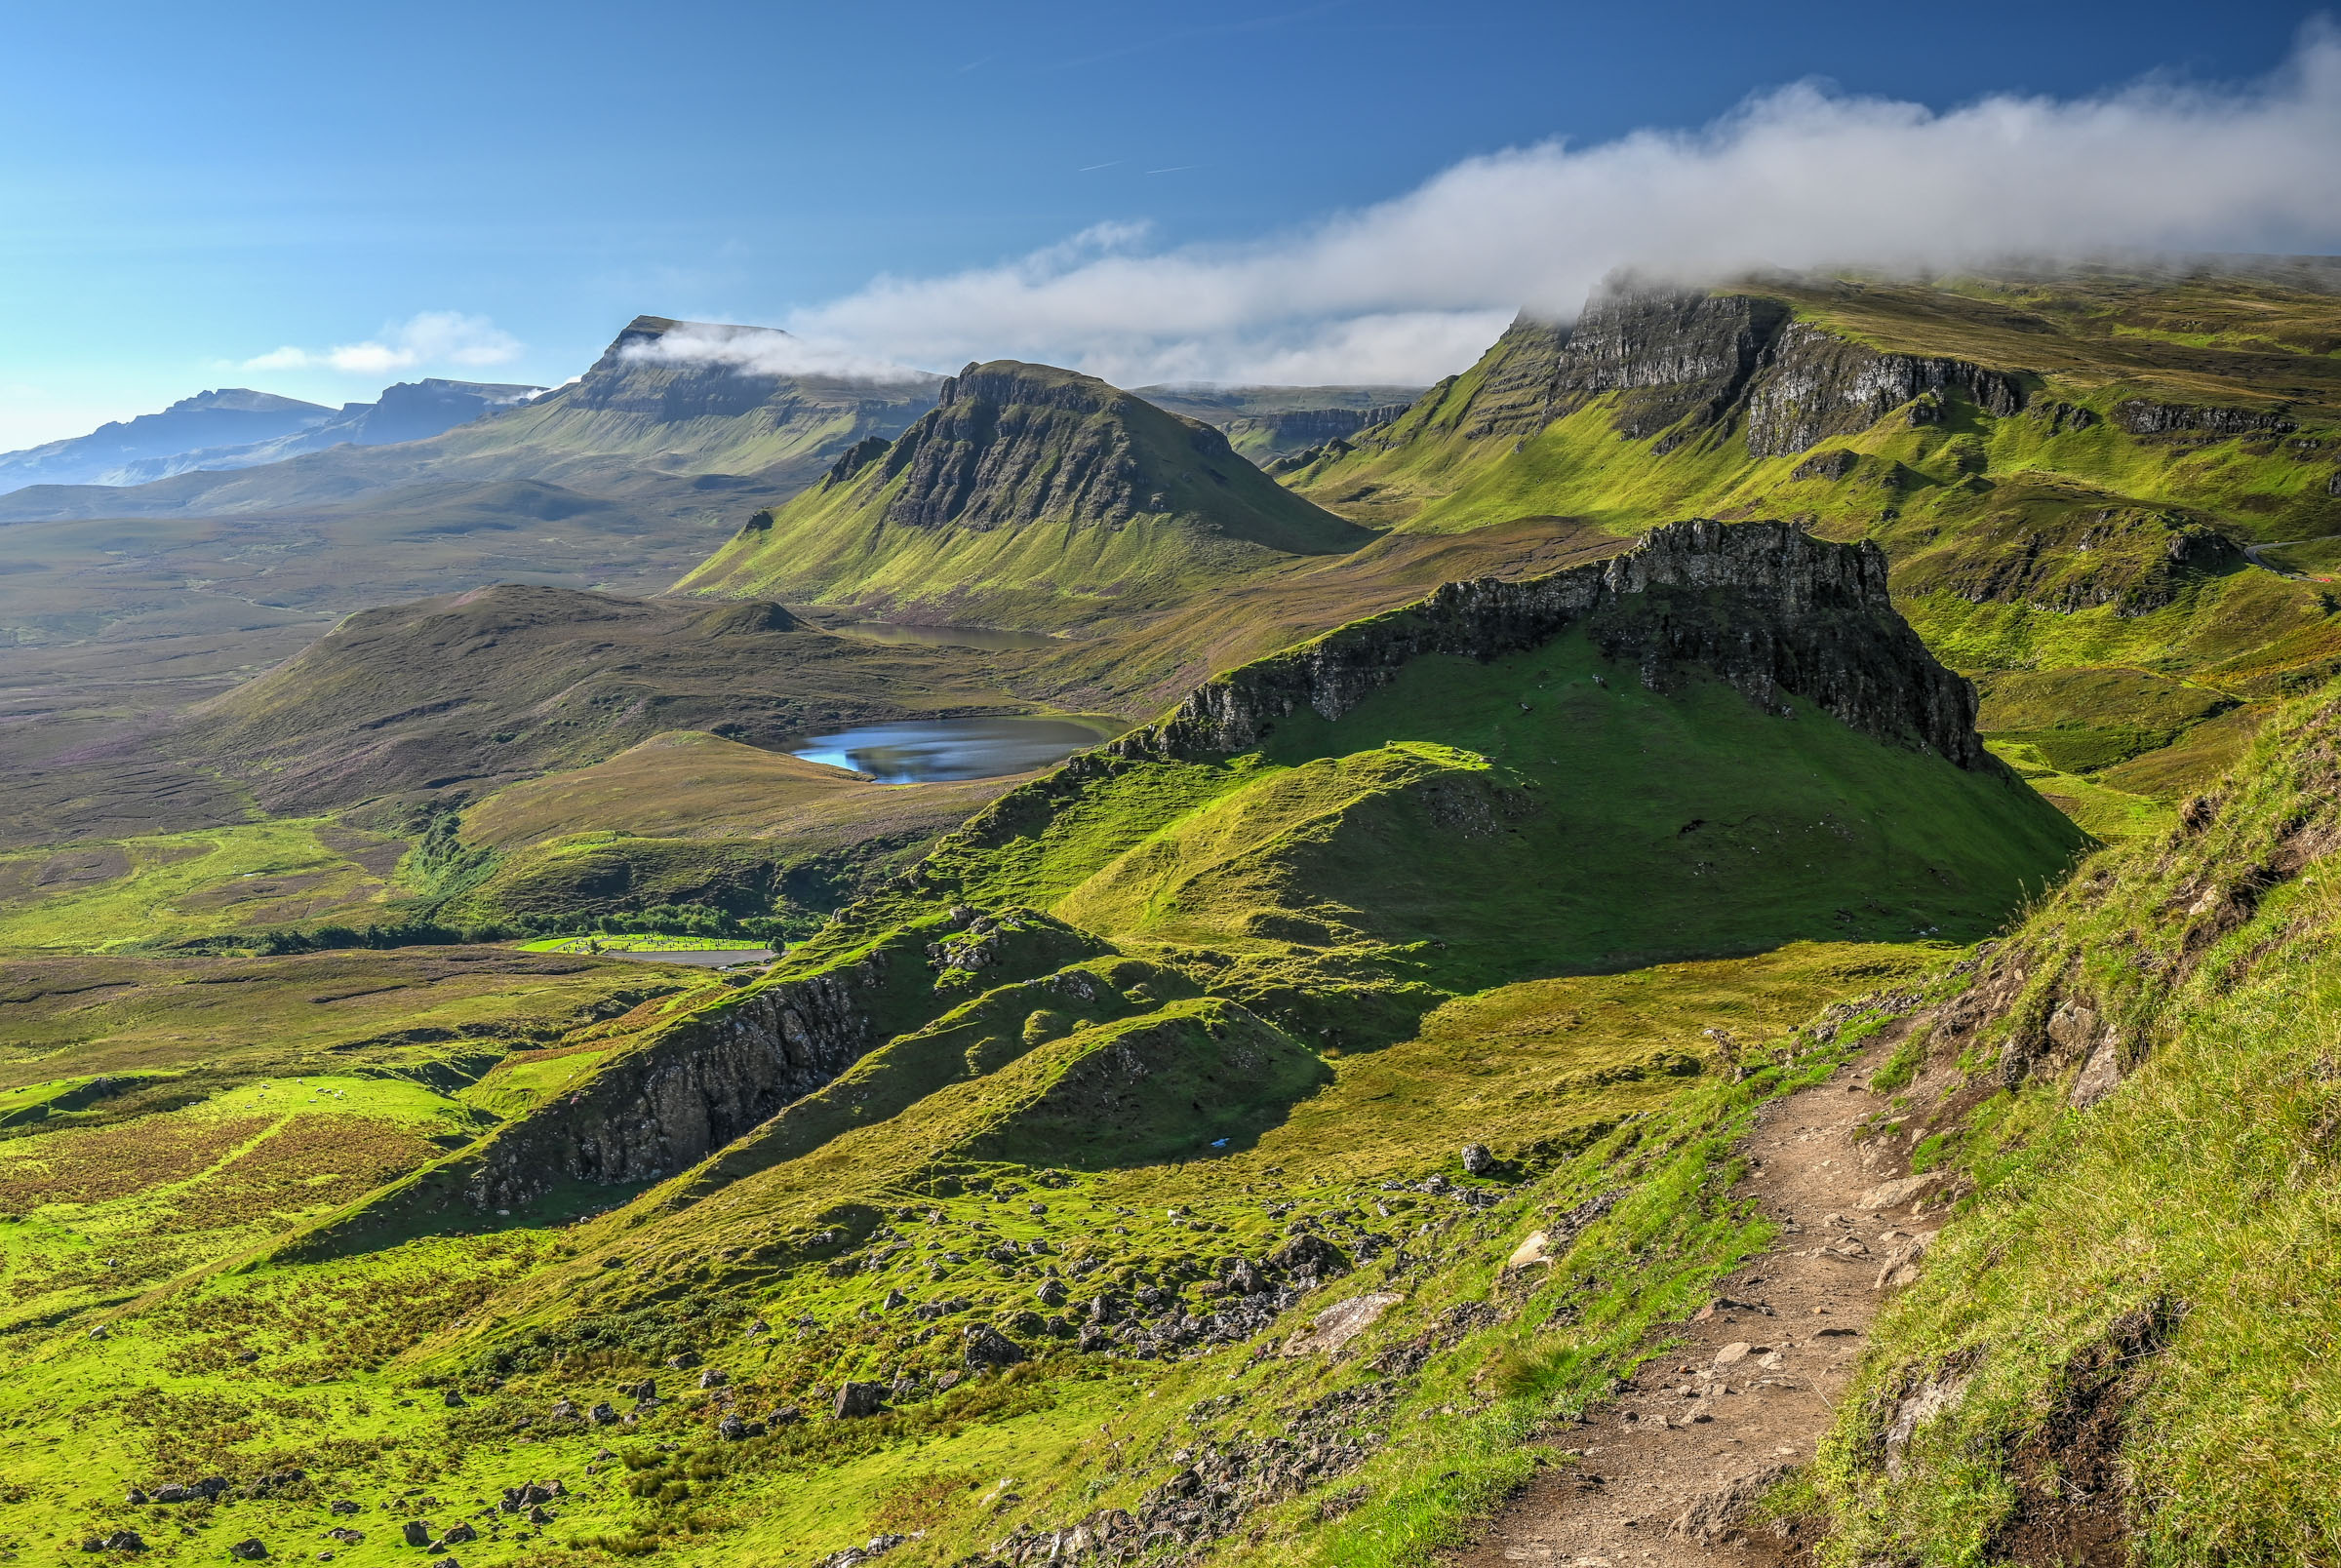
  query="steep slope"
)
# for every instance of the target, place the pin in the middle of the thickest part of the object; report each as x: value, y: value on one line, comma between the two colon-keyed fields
x: 501, y: 683
x: 2120, y: 1348
x: 2071, y: 475
x: 231, y: 418
x: 1029, y: 496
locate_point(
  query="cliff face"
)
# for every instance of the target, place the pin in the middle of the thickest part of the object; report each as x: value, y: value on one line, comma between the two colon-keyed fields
x: 1010, y: 442
x: 1686, y: 361
x: 1760, y: 605
x: 1815, y: 386
x: 703, y: 1083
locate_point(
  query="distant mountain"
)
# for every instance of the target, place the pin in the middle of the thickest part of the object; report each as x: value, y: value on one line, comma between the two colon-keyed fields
x: 1269, y: 421
x: 1029, y: 494
x: 673, y: 415
x: 412, y: 411
x: 230, y: 417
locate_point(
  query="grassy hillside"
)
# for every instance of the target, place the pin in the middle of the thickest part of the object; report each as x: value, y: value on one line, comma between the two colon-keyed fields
x: 1123, y: 1136
x: 2069, y: 490
x: 688, y: 817
x: 1029, y: 496
x: 2124, y: 1341
x: 506, y: 682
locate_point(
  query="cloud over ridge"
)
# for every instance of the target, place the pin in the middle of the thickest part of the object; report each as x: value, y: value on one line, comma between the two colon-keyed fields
x: 1414, y: 287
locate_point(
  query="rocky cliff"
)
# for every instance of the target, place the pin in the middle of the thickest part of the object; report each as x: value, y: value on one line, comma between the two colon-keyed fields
x: 1681, y: 362
x: 702, y: 1082
x: 1028, y: 494
x: 1763, y: 606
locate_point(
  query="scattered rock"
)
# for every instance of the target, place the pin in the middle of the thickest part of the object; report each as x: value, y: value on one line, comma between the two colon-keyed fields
x: 602, y: 1415
x: 458, y: 1533
x: 1476, y: 1160
x: 1736, y: 1351
x: 1052, y: 1293
x: 1339, y: 1323
x: 1532, y: 1253
x: 856, y: 1400
x: 1715, y: 1514
x: 135, y: 1497
x: 248, y: 1549
x: 1897, y: 1193
x: 685, y: 1362
x: 1901, y: 1266
x: 2100, y: 1074
x: 713, y: 1378
x: 987, y: 1346
x: 1932, y: 1400
x: 453, y: 1400
x: 417, y: 1532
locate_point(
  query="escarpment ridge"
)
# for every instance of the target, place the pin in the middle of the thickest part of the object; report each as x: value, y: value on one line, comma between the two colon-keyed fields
x: 1764, y: 607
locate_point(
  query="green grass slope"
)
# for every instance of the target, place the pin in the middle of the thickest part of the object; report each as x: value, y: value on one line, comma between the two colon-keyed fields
x: 2122, y: 1343
x: 1029, y: 496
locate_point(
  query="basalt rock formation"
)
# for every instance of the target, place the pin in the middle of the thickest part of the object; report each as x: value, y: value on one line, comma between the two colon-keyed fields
x: 701, y: 1084
x: 1681, y: 362
x: 1027, y: 493
x: 1763, y: 605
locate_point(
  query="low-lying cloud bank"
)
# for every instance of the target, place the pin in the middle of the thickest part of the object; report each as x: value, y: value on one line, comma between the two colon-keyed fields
x: 766, y: 351
x: 1413, y: 288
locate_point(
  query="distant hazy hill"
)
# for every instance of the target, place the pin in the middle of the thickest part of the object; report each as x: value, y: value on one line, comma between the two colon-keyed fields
x: 1269, y: 421
x: 645, y: 422
x: 1029, y: 493
x: 230, y: 417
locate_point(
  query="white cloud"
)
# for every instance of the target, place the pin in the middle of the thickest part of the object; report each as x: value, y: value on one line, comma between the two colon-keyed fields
x: 1414, y: 287
x: 765, y: 351
x: 437, y: 338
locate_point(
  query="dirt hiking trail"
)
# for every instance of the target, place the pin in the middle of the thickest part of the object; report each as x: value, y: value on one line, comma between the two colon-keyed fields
x: 1662, y: 1477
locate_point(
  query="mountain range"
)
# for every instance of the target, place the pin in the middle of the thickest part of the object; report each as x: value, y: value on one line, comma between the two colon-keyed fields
x: 239, y: 428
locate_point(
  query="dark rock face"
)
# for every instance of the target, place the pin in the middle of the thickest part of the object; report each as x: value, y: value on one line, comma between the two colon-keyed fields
x: 2142, y: 416
x: 1005, y: 447
x: 1311, y: 427
x: 1760, y: 605
x: 703, y: 1083
x: 1817, y: 386
x: 1684, y: 361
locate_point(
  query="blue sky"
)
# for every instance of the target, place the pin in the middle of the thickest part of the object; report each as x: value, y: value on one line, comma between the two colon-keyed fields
x: 491, y: 190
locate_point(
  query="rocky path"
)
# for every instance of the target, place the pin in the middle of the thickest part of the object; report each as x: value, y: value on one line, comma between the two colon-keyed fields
x: 1661, y: 1478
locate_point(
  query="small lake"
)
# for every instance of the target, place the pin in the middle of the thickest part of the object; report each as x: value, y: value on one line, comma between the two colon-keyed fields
x: 990, y: 638
x: 703, y: 958
x: 943, y: 750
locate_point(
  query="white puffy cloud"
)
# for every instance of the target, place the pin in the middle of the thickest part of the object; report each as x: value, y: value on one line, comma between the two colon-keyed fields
x: 437, y: 338
x: 1412, y: 288
x: 766, y: 351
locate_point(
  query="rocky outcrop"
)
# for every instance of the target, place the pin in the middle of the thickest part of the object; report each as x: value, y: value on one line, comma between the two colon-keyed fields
x: 1311, y: 427
x: 1763, y: 606
x: 1816, y: 384
x: 1680, y: 362
x: 1674, y: 353
x: 2142, y: 416
x: 1010, y: 442
x: 697, y: 1086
